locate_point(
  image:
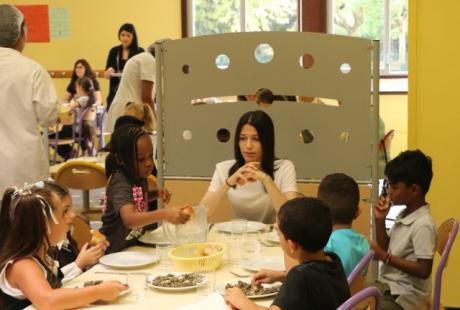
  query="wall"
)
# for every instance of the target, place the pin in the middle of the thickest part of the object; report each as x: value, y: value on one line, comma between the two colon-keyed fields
x: 434, y: 112
x: 93, y: 31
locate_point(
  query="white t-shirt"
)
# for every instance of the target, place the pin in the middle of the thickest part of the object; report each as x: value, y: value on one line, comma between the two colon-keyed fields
x: 251, y: 201
x: 138, y: 68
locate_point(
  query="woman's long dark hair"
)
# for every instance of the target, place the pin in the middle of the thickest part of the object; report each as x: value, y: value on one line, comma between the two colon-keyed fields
x: 266, y: 132
x: 134, y: 46
x: 87, y: 84
x: 88, y: 71
x: 24, y: 226
x: 123, y: 152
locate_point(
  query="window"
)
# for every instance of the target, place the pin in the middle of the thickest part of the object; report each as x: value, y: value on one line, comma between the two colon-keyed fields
x: 221, y: 16
x: 384, y: 20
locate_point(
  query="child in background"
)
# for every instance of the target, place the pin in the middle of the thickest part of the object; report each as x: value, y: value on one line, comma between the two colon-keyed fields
x: 71, y: 261
x: 142, y: 112
x: 318, y: 282
x: 129, y: 164
x: 407, y: 250
x: 30, y: 225
x: 341, y: 193
x: 86, y: 99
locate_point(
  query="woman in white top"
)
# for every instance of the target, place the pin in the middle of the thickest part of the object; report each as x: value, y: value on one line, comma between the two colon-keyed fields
x: 255, y: 182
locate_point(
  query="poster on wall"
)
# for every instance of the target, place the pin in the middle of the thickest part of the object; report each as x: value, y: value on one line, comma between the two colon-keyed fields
x: 37, y: 22
x: 59, y: 23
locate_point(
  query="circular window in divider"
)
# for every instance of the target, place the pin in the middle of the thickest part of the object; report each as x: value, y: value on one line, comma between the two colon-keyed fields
x: 222, y: 62
x: 306, y: 61
x: 186, y: 69
x: 223, y: 135
x: 306, y: 136
x: 187, y: 135
x: 345, y: 68
x: 345, y: 136
x: 264, y: 53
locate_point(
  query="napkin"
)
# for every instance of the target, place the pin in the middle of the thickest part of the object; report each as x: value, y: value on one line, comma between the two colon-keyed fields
x: 213, y: 301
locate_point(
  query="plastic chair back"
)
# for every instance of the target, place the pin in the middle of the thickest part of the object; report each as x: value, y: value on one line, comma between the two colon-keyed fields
x: 369, y: 292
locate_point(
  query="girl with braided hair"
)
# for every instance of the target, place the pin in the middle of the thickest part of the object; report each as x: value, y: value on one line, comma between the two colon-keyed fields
x: 128, y: 165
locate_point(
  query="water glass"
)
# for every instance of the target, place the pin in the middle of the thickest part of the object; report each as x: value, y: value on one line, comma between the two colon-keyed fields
x: 206, y: 287
x: 251, y: 245
x: 100, y: 158
x: 162, y: 250
x: 239, y: 229
x: 235, y: 252
x: 137, y: 282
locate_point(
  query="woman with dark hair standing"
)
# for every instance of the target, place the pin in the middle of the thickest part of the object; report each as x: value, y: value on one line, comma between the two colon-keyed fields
x: 255, y: 182
x: 118, y: 56
x: 82, y: 68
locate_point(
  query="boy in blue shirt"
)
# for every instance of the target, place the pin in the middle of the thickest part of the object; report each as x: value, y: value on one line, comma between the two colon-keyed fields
x: 341, y: 193
x: 318, y: 281
x: 407, y: 250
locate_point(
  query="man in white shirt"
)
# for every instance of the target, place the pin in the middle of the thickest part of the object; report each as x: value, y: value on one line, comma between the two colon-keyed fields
x: 27, y: 99
x: 136, y: 85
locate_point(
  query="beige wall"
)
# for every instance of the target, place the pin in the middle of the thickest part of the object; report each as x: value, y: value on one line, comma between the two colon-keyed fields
x: 434, y: 111
x: 94, y: 27
x: 393, y: 110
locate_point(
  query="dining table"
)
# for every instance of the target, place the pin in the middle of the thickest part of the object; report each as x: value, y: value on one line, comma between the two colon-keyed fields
x: 171, y: 299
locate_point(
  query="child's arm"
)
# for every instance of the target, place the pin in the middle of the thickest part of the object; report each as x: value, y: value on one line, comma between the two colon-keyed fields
x: 236, y: 299
x: 89, y: 256
x: 420, y: 268
x: 133, y: 219
x: 381, y: 210
x: 27, y: 276
x: 268, y: 276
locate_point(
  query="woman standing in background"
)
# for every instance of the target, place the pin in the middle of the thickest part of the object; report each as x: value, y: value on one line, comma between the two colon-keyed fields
x: 118, y: 56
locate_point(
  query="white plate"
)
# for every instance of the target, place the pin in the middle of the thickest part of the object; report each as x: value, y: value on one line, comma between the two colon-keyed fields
x: 128, y: 259
x: 82, y: 285
x: 220, y: 288
x: 267, y: 262
x: 252, y: 226
x: 154, y: 237
x: 272, y: 237
x: 163, y: 288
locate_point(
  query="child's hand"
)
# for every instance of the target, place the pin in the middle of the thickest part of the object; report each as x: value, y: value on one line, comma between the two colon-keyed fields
x: 89, y: 256
x: 267, y: 276
x: 175, y: 215
x: 165, y: 195
x: 111, y: 289
x: 380, y: 253
x: 236, y: 299
x: 382, y: 208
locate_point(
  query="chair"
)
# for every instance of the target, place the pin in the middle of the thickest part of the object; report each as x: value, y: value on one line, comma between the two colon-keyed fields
x: 358, y: 298
x: 446, y: 237
x: 385, y: 144
x: 356, y: 279
x: 82, y: 175
x: 66, y: 118
x: 360, y: 267
x: 81, y: 230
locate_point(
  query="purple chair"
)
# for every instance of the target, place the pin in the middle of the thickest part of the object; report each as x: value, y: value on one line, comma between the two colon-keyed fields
x: 359, y: 297
x: 362, y: 265
x: 446, y: 237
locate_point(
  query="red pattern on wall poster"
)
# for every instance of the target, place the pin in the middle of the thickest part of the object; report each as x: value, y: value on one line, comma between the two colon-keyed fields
x: 37, y: 22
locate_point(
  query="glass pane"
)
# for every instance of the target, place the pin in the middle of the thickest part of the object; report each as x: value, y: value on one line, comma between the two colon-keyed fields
x: 398, y: 35
x: 361, y: 18
x: 216, y: 16
x: 271, y: 15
